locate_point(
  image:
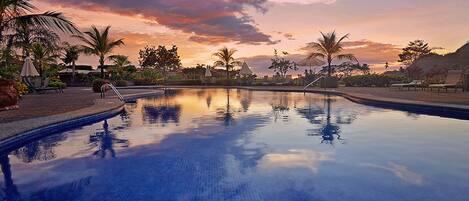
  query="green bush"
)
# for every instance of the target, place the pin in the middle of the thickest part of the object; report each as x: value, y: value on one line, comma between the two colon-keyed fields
x: 97, y: 83
x: 184, y: 82
x: 372, y: 80
x: 121, y: 83
x: 147, y: 77
x: 225, y: 82
x: 57, y: 83
x: 329, y: 82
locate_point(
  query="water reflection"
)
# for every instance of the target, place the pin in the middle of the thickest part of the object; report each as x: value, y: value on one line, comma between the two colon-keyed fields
x: 42, y: 150
x: 105, y: 141
x: 10, y: 191
x: 226, y: 114
x: 327, y: 130
x: 223, y: 145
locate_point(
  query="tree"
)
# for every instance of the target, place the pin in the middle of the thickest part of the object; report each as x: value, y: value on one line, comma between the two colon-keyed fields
x: 225, y: 59
x: 14, y: 12
x: 70, y: 56
x: 414, y: 50
x: 281, y: 66
x: 329, y: 47
x: 26, y: 35
x: 120, y: 62
x: 160, y: 58
x: 99, y: 44
x: 42, y: 57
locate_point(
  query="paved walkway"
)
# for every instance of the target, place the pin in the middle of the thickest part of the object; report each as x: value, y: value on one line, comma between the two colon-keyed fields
x: 39, y: 110
x: 40, y: 105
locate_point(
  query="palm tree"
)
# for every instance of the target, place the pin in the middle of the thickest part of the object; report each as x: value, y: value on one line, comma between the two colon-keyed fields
x: 24, y: 36
x: 70, y: 56
x: 14, y: 12
x: 225, y: 58
x: 99, y: 44
x: 329, y: 47
x: 43, y: 56
x: 120, y: 62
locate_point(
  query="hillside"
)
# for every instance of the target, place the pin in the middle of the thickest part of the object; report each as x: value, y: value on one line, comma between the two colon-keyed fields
x: 456, y: 60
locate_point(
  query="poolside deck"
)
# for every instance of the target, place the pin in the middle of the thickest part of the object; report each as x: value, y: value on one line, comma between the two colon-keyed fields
x: 40, y: 105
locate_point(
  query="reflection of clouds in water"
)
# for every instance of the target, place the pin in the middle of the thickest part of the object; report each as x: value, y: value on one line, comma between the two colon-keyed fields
x: 400, y: 171
x: 294, y: 159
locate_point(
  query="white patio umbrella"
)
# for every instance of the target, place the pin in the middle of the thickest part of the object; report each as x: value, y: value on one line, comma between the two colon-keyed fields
x: 245, y: 70
x: 207, y: 72
x: 28, y: 69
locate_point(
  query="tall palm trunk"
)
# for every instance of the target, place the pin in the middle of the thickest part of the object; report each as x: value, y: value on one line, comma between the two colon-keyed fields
x: 73, y: 72
x: 227, y: 72
x: 101, y: 65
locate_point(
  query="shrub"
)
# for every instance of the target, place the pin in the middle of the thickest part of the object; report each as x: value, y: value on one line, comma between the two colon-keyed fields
x: 97, y: 83
x: 371, y: 80
x: 184, y: 82
x: 147, y: 77
x: 57, y: 83
x: 21, y: 88
x: 121, y: 83
x: 329, y: 82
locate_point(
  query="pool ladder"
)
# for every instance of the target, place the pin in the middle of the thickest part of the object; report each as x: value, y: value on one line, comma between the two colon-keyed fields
x: 316, y: 80
x: 103, y: 91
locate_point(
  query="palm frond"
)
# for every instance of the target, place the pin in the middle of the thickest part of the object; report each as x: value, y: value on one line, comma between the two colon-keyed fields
x: 349, y: 57
x: 49, y: 20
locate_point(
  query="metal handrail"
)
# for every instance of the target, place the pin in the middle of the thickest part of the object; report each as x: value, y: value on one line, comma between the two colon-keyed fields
x: 103, y: 91
x: 316, y: 80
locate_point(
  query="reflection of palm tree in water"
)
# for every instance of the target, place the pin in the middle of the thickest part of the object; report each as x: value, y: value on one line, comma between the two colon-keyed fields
x: 226, y: 115
x: 105, y: 140
x: 329, y: 130
x: 10, y: 191
x: 41, y: 150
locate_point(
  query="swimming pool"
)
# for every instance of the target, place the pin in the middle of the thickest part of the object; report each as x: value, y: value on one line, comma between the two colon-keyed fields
x: 229, y: 144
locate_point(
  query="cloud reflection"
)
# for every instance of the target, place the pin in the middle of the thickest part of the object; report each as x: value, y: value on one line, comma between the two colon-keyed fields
x: 308, y: 159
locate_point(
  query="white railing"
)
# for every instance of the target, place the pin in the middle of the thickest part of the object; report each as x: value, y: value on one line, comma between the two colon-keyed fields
x: 103, y: 91
x: 316, y: 80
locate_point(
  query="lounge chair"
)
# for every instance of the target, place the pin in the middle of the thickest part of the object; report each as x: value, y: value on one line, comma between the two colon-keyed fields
x: 35, y: 86
x: 453, y: 80
x: 415, y: 84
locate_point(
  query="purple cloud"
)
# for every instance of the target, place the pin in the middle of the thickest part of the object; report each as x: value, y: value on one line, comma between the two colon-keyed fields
x: 211, y: 21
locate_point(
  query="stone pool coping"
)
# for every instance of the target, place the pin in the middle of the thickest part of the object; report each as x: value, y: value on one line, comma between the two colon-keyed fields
x: 19, y: 131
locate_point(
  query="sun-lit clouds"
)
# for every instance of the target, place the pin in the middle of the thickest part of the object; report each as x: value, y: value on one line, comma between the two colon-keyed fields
x: 190, y: 52
x: 373, y: 53
x: 226, y: 20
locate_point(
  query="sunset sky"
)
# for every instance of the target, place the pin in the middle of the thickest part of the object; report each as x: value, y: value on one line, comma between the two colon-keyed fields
x: 377, y: 28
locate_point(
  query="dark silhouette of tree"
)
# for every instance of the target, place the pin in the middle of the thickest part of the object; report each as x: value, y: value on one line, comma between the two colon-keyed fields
x: 226, y: 59
x: 281, y: 65
x: 414, y: 50
x: 161, y: 58
x: 99, y: 43
x: 329, y: 48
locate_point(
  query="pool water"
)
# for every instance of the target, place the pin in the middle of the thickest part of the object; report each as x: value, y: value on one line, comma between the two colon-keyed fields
x: 221, y: 144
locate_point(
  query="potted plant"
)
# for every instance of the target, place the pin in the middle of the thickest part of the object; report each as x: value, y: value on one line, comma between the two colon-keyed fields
x: 8, y: 94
